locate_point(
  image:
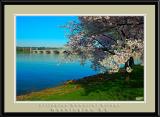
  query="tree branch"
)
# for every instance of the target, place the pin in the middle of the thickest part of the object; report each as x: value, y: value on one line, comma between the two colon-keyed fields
x: 104, y: 48
x: 122, y: 24
x: 109, y: 37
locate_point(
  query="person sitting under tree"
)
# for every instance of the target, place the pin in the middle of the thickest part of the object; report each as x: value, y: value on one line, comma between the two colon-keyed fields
x: 128, y: 67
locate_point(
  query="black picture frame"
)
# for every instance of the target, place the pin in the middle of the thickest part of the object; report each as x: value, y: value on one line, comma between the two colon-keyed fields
x: 80, y: 2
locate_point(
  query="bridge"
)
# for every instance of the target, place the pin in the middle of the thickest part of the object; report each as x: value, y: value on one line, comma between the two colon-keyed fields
x: 52, y: 51
x: 41, y: 50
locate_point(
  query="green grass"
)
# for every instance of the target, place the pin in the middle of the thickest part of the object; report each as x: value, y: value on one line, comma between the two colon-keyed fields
x: 101, y: 87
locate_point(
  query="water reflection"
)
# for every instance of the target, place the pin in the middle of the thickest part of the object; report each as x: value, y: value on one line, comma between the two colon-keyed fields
x: 38, y: 71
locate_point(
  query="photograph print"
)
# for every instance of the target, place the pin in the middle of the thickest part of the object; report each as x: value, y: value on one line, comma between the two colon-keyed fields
x: 79, y: 58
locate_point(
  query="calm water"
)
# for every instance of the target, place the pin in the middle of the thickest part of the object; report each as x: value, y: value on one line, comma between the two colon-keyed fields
x: 39, y: 71
x: 35, y: 72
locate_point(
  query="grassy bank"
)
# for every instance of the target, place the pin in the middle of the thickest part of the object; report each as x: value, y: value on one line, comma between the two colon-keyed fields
x: 106, y: 87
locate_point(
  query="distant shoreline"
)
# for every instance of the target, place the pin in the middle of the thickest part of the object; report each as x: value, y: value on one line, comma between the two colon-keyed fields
x: 44, y: 50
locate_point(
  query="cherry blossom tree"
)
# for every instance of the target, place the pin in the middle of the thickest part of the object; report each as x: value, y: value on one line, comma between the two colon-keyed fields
x: 107, y: 41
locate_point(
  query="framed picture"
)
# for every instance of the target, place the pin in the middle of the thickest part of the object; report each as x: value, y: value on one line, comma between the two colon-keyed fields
x: 80, y: 58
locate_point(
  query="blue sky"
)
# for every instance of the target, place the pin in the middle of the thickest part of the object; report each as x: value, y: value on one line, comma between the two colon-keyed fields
x: 41, y: 31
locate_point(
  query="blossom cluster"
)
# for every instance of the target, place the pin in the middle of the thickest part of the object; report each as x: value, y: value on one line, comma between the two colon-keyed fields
x: 107, y: 41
